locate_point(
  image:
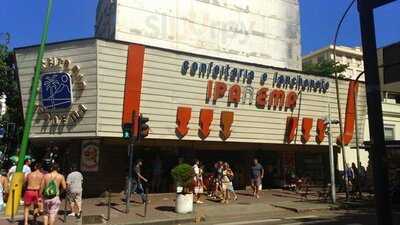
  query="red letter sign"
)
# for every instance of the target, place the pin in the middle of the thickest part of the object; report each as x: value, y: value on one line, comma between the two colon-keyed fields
x: 209, y: 90
x: 291, y: 99
x: 226, y: 121
x: 276, y: 99
x: 234, y: 94
x: 206, y: 117
x: 305, y: 129
x: 219, y: 90
x: 183, y: 116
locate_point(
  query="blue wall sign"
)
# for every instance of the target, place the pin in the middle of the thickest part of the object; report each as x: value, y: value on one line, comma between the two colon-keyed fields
x: 56, y: 90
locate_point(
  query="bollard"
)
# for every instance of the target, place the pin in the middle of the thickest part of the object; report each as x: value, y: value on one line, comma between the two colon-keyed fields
x: 109, y: 205
x: 12, y: 205
x: 65, y: 210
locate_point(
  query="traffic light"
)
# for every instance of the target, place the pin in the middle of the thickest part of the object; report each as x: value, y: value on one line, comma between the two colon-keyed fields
x: 143, y: 127
x: 127, y: 131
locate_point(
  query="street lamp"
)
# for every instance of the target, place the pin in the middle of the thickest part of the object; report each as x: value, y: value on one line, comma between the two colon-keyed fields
x: 328, y: 123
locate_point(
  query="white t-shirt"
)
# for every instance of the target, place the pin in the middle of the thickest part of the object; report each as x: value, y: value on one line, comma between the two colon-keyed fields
x: 196, y: 170
x: 74, y: 181
x: 26, y: 170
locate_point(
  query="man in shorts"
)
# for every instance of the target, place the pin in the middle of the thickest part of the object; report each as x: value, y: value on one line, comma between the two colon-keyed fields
x: 256, y: 176
x: 32, y: 194
x: 52, y: 203
x: 74, y: 196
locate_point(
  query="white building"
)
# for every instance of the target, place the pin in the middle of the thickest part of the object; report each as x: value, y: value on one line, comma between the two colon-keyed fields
x: 265, y: 32
x: 390, y: 106
x: 344, y: 55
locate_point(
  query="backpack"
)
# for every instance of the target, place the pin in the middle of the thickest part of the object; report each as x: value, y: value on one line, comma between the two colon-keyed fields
x: 51, y: 190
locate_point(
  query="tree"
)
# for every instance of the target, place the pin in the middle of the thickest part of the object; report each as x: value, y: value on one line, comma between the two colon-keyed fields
x: 9, y: 85
x: 325, y: 68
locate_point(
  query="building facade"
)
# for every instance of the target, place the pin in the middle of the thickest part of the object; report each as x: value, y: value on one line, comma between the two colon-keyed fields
x: 352, y: 57
x: 199, y: 107
x: 390, y: 92
x: 265, y: 32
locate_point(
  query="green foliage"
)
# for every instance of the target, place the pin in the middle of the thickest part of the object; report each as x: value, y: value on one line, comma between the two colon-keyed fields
x: 325, y: 68
x: 9, y: 85
x: 183, y: 175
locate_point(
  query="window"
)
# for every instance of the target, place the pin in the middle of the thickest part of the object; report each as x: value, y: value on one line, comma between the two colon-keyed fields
x: 320, y: 59
x: 389, y: 133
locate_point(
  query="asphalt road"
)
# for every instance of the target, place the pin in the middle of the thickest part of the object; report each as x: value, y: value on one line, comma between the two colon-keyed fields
x: 338, y: 217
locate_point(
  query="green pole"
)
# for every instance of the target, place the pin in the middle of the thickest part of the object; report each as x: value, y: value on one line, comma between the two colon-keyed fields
x: 35, y: 83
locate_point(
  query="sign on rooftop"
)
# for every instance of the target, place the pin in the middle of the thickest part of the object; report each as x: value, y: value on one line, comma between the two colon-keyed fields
x: 265, y: 32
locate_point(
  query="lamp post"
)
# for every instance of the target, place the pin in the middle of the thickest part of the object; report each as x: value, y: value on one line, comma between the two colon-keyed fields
x: 329, y: 123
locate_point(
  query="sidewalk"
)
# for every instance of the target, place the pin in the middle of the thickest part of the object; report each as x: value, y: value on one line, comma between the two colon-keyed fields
x: 160, y: 210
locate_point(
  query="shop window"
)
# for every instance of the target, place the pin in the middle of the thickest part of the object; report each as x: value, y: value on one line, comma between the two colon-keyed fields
x: 389, y: 133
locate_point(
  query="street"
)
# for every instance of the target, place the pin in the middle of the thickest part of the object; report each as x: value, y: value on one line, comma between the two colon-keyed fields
x: 335, y: 217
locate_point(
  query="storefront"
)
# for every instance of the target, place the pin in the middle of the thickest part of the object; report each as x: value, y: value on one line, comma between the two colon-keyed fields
x: 199, y: 107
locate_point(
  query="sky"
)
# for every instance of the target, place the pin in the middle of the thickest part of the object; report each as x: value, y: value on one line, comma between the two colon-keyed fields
x: 73, y: 19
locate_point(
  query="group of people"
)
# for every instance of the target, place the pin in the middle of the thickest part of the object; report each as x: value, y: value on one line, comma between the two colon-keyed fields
x: 220, y: 183
x: 43, y: 185
x: 356, y: 177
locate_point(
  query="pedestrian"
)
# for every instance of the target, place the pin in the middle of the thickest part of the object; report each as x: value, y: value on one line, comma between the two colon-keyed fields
x: 4, y: 187
x: 74, y: 193
x: 230, y: 175
x: 349, y: 174
x: 356, y: 179
x: 256, y: 176
x: 52, y: 184
x: 198, y: 182
x: 157, y: 175
x: 26, y: 169
x: 32, y: 195
x: 137, y: 186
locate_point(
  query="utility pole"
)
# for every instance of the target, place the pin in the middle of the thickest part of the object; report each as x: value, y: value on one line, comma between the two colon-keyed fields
x: 377, y: 150
x: 331, y: 156
x: 129, y: 185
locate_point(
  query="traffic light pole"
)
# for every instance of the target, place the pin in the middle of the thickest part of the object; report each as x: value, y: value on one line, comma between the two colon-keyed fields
x: 377, y: 151
x: 130, y: 172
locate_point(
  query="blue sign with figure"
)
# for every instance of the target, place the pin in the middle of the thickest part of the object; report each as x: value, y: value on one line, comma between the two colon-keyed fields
x: 56, y: 90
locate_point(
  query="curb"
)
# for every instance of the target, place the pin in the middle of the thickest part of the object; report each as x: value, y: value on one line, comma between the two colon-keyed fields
x: 298, y: 210
x: 158, y: 222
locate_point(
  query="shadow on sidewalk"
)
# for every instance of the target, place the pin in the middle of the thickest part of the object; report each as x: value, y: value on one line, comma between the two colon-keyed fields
x: 166, y: 208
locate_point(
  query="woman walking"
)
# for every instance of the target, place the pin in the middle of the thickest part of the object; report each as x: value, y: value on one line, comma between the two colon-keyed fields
x: 230, y: 175
x: 198, y: 182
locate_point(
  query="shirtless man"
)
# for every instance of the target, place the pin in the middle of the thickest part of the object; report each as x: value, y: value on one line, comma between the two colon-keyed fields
x: 32, y: 194
x: 52, y: 204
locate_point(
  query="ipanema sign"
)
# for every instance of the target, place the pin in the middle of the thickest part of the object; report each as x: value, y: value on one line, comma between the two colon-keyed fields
x: 59, y: 105
x: 56, y: 91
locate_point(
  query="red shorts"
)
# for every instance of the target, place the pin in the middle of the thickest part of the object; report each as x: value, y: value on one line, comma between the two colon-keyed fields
x: 31, y: 196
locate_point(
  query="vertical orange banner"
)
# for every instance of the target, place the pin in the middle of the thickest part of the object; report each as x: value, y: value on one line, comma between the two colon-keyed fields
x: 349, y: 121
